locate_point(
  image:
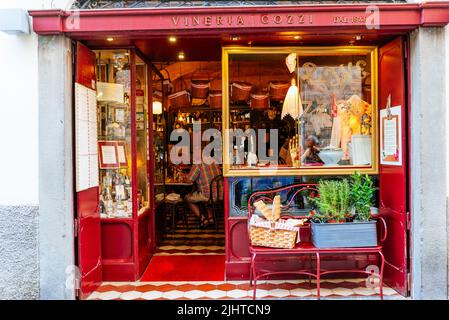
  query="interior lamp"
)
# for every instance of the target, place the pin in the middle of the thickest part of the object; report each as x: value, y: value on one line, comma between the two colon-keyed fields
x: 157, y: 107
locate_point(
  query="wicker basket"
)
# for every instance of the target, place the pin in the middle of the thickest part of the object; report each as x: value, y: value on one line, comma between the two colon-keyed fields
x: 181, y: 98
x: 157, y: 94
x: 273, y: 238
x: 259, y: 102
x: 215, y: 99
x: 278, y: 90
x: 200, y: 88
x: 240, y: 91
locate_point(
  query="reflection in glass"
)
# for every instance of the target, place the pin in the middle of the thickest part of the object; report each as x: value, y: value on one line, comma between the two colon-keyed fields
x: 337, y: 119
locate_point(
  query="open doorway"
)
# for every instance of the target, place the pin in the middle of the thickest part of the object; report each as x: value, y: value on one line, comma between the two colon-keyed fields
x: 189, y: 200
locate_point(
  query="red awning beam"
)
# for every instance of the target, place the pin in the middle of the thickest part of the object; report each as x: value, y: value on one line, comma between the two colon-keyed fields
x: 124, y: 22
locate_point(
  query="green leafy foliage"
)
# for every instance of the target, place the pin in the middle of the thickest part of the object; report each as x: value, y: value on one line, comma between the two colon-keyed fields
x: 362, y: 194
x: 333, y: 201
x: 336, y: 199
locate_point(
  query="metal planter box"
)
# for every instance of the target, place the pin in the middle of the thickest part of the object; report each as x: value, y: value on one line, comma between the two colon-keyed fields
x: 344, y: 235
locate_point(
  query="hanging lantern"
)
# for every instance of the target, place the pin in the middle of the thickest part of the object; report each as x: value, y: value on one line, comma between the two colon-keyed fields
x: 157, y: 107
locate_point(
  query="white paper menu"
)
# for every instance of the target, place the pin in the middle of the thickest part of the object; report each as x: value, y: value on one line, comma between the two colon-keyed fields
x: 121, y: 154
x: 391, y: 136
x: 86, y: 138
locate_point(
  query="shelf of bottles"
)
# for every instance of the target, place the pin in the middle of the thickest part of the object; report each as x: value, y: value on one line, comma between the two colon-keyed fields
x: 240, y: 119
x: 114, y: 129
x: 159, y: 148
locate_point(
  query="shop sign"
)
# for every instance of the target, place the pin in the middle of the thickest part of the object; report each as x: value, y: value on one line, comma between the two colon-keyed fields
x: 260, y: 20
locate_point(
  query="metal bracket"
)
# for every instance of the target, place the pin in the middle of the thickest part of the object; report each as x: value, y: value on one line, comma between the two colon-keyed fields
x: 408, y: 285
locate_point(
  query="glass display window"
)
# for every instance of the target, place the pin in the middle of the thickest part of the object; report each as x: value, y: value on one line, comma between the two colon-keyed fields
x: 299, y: 110
x: 114, y: 133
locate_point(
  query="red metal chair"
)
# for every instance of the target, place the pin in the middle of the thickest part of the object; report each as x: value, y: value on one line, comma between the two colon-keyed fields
x: 306, y: 248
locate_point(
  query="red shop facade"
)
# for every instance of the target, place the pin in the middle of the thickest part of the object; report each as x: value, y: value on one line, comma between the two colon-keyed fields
x: 120, y: 249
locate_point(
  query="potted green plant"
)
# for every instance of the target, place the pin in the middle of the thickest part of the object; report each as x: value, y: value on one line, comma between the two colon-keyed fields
x: 341, y: 218
x: 362, y: 195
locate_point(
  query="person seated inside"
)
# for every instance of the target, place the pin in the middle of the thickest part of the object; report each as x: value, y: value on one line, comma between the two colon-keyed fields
x: 310, y: 156
x: 203, y: 174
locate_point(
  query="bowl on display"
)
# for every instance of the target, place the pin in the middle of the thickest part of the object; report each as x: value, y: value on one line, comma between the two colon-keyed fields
x: 331, y: 157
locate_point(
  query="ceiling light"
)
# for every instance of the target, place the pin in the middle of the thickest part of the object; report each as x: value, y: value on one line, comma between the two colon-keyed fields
x: 297, y: 37
x: 110, y: 39
x: 181, y: 55
x: 172, y: 39
x: 358, y: 37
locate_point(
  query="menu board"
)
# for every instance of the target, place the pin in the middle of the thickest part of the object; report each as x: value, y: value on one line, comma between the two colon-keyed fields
x: 391, y: 136
x: 86, y: 138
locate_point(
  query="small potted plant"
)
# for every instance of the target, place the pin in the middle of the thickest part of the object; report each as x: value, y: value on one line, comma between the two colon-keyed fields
x: 342, y: 215
x: 362, y: 194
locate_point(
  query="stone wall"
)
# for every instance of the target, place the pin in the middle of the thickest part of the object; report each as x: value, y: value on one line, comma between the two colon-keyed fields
x: 19, y: 264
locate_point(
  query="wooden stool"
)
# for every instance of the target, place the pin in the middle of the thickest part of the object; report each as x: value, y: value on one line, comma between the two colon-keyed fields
x: 174, y: 208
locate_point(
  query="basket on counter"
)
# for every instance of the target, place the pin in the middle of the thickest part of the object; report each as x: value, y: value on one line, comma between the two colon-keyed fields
x: 215, y: 101
x: 200, y: 88
x: 259, y: 101
x: 240, y: 91
x: 268, y: 230
x: 278, y: 90
x: 273, y: 235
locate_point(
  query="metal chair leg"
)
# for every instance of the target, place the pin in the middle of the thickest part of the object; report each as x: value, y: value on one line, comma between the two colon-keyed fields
x: 184, y: 215
x: 173, y: 222
x: 318, y: 275
x: 381, y: 275
x: 214, y: 213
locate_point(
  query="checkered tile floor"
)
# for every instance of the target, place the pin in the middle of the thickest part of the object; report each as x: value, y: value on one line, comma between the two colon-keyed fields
x: 272, y: 289
x: 191, y: 240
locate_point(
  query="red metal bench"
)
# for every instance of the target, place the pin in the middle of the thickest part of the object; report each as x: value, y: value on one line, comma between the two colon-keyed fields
x: 306, y: 248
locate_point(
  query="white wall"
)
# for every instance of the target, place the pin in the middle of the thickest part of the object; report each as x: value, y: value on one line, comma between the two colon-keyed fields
x: 18, y: 110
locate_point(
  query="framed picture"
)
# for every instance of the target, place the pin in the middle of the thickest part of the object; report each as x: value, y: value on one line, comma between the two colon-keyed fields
x: 119, y: 114
x: 108, y: 155
x: 121, y: 153
x: 140, y: 120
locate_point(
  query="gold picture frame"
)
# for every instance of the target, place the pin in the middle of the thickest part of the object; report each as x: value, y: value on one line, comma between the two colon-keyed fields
x: 372, y: 51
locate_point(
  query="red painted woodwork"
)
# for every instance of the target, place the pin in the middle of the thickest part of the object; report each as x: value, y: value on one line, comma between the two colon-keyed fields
x: 85, y: 66
x: 145, y: 239
x: 116, y: 239
x: 128, y: 243
x: 126, y: 21
x: 393, y: 179
x: 87, y: 210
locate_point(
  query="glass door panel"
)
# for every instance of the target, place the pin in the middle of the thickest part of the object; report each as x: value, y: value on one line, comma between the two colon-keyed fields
x: 114, y: 133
